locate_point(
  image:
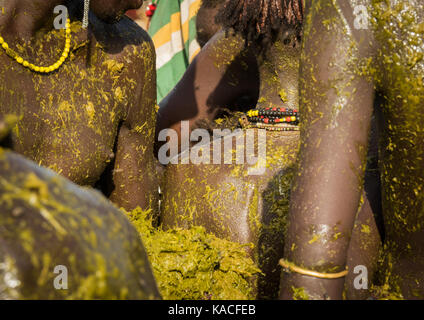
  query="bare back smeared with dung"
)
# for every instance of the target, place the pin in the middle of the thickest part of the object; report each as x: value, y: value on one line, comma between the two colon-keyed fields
x: 261, y: 21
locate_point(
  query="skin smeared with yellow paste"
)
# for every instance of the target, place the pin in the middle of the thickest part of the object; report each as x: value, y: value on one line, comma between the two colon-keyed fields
x: 72, y: 125
x: 92, y: 119
x: 225, y: 199
x: 343, y: 70
x: 46, y: 221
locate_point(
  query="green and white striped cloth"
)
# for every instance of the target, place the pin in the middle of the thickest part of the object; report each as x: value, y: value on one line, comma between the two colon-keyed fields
x: 173, y: 30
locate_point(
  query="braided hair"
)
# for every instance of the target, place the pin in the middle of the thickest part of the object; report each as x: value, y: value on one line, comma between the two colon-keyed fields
x: 261, y: 21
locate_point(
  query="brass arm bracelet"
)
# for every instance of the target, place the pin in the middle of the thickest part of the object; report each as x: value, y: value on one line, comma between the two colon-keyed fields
x: 292, y: 267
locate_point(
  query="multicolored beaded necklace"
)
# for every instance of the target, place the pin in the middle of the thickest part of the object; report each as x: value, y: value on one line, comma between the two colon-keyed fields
x: 272, y: 119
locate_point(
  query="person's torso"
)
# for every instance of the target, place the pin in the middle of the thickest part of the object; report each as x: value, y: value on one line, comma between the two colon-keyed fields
x: 69, y: 118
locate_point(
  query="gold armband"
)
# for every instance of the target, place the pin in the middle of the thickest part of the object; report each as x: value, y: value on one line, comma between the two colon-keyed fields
x: 292, y: 267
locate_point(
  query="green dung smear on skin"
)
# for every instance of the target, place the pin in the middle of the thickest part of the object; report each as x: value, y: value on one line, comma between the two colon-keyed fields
x: 6, y: 124
x: 193, y: 265
x: 300, y: 294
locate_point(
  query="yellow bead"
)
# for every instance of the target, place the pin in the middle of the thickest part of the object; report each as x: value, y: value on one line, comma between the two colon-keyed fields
x: 293, y: 118
x: 49, y: 69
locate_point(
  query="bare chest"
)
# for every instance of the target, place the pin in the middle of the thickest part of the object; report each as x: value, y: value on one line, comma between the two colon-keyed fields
x: 68, y: 119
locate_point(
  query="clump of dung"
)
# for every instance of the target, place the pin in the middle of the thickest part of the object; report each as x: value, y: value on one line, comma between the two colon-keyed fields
x: 192, y: 264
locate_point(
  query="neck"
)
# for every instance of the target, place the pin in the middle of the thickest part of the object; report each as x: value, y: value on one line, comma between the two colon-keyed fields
x: 24, y: 18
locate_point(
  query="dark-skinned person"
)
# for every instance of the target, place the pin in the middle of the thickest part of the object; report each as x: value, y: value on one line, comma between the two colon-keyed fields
x: 353, y: 53
x: 206, y: 26
x: 62, y: 241
x: 246, y: 76
x: 85, y: 97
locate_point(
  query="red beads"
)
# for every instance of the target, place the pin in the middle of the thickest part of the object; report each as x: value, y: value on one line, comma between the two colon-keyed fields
x: 274, y: 116
x: 151, y: 8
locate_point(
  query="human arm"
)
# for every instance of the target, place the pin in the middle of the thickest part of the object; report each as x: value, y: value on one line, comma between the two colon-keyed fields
x: 336, y: 104
x: 219, y: 75
x: 134, y: 174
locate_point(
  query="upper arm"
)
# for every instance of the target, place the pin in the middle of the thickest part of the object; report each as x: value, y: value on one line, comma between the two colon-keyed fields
x: 142, y: 105
x: 134, y: 173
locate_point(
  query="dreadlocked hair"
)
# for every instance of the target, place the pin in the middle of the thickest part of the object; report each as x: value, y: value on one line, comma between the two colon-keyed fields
x: 261, y: 21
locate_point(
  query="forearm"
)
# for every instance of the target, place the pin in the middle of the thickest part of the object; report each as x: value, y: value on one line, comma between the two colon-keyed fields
x: 324, y: 203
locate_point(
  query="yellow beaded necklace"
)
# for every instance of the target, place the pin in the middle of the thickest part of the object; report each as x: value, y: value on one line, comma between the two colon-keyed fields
x: 11, y: 53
